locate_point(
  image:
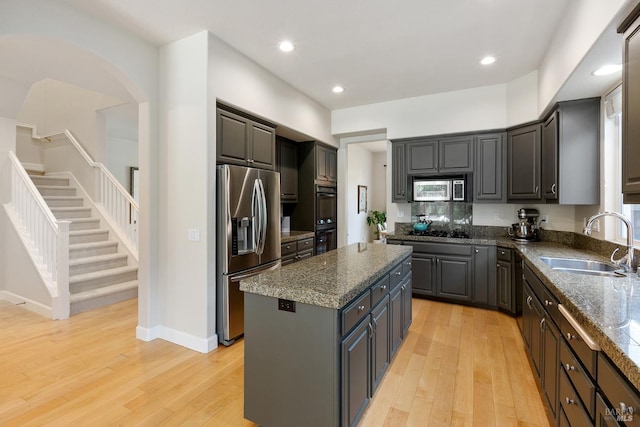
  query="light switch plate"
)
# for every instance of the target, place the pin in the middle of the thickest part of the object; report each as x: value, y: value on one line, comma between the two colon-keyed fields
x: 193, y: 234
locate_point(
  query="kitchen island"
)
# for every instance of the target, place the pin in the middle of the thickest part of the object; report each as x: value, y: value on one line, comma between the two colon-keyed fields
x: 320, y: 334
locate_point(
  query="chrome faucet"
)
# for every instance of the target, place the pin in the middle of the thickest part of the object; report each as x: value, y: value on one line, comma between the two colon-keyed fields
x: 628, y: 261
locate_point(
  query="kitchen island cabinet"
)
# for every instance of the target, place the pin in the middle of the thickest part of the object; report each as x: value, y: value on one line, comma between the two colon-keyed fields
x: 318, y: 334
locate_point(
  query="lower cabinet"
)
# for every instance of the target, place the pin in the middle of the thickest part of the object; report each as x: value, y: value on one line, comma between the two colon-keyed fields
x: 356, y: 375
x: 296, y: 250
x: 505, y: 281
x: 369, y: 348
x: 380, y: 351
x: 454, y: 272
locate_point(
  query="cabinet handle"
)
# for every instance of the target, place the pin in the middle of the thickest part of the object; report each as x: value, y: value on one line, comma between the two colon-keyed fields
x: 542, y: 324
x: 570, y: 337
x: 569, y: 401
x: 553, y: 189
x: 477, y: 251
x: 370, y: 330
x: 569, y: 367
x: 408, y: 263
x: 361, y: 308
x: 398, y: 273
x: 502, y: 252
x: 529, y: 299
x: 548, y: 303
x: 537, y: 188
x: 383, y: 288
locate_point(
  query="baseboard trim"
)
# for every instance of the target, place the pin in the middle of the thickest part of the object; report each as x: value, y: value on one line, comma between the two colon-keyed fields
x: 30, y: 305
x: 178, y: 337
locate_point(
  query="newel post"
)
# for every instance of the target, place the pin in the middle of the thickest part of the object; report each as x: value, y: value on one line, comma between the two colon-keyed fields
x: 62, y: 308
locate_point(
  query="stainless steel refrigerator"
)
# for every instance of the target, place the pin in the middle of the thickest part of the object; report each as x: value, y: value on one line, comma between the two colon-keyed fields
x: 248, y: 234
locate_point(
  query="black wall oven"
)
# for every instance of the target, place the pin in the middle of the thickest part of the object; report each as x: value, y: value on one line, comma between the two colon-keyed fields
x: 326, y: 218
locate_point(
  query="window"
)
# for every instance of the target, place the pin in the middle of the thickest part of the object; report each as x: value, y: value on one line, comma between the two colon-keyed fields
x: 616, y: 230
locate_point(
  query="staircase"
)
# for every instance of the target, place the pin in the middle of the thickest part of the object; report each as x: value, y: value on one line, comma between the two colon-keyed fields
x: 98, y: 274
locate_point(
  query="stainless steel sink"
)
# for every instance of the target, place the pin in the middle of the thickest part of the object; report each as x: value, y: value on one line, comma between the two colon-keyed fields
x: 582, y: 266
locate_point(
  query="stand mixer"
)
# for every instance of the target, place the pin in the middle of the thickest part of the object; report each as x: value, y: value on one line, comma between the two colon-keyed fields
x: 527, y: 229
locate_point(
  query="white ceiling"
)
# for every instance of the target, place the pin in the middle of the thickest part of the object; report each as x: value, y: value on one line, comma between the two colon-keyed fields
x: 377, y: 49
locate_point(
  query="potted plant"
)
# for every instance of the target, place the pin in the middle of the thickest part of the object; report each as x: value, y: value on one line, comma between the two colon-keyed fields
x: 379, y: 220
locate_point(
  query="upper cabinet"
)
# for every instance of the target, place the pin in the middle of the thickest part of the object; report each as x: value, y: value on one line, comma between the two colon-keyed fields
x: 287, y: 154
x: 440, y: 156
x: 399, y: 182
x: 245, y: 141
x: 489, y: 181
x: 326, y: 163
x: 631, y: 108
x: 523, y: 163
x: 571, y: 153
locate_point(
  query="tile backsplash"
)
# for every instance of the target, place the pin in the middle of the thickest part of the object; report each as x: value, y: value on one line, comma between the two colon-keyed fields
x: 446, y: 215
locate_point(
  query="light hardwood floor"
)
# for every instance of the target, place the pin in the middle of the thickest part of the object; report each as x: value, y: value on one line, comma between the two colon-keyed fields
x: 458, y: 366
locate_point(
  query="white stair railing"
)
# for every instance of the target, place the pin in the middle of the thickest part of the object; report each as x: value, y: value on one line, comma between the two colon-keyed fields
x: 47, y: 237
x: 118, y: 204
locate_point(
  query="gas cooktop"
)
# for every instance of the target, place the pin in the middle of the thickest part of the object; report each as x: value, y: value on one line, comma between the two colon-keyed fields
x: 456, y: 234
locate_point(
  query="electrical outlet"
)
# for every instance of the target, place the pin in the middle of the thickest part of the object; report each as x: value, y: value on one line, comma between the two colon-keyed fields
x: 497, y: 217
x: 400, y: 214
x: 596, y: 226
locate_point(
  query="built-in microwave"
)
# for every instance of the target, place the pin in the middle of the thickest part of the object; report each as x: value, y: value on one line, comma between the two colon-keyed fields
x: 436, y: 189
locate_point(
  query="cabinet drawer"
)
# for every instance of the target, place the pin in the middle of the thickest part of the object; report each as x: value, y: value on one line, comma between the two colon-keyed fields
x: 623, y: 397
x: 571, y: 404
x: 356, y: 311
x: 305, y: 244
x: 396, y: 276
x: 439, y: 248
x: 379, y: 290
x: 586, y: 356
x: 305, y: 254
x: 579, y: 378
x: 550, y: 304
x: 604, y: 416
x: 287, y: 248
x: 406, y: 266
x: 504, y: 254
x: 537, y: 286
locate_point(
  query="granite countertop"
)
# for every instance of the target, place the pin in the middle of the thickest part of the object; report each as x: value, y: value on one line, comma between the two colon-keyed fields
x: 608, y: 308
x: 331, y: 279
x: 293, y: 235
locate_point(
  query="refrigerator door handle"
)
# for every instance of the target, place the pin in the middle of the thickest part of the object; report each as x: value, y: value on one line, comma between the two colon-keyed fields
x: 255, y: 215
x: 263, y: 220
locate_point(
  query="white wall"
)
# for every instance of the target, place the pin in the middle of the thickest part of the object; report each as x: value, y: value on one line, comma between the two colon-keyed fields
x: 54, y: 106
x: 187, y: 172
x: 122, y: 154
x: 239, y: 81
x: 379, y: 168
x: 582, y: 24
x: 359, y: 172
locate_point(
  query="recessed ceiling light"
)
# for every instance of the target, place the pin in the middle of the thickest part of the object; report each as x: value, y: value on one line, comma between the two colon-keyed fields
x: 487, y: 60
x: 337, y: 89
x: 607, y: 69
x: 286, y: 46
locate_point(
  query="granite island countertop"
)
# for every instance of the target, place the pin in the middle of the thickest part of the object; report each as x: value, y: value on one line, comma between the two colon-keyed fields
x: 608, y: 308
x: 331, y: 279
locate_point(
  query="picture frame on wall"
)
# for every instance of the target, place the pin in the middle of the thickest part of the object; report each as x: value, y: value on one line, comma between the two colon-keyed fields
x: 362, y: 198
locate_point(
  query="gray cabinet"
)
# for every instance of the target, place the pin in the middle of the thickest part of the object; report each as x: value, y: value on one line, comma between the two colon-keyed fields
x: 505, y: 281
x: 489, y: 177
x: 551, y: 365
x: 484, y: 276
x: 631, y: 108
x: 287, y: 154
x: 399, y: 182
x: 443, y: 156
x: 424, y: 274
x: 326, y: 164
x: 380, y: 347
x: 297, y: 250
x: 244, y: 141
x: 356, y: 375
x: 455, y: 154
x: 523, y: 163
x: 570, y: 153
x: 453, y: 278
